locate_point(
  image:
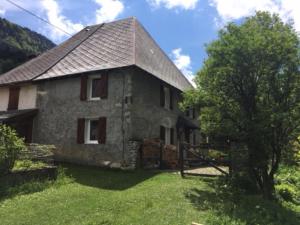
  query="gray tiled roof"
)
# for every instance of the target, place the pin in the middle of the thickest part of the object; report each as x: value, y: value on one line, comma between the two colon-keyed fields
x: 106, y: 46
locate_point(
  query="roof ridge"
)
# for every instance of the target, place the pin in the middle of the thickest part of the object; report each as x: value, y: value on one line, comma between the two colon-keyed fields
x: 71, y: 50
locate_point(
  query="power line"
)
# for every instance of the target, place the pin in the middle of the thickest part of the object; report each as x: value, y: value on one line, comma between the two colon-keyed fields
x: 40, y: 18
x: 81, y: 41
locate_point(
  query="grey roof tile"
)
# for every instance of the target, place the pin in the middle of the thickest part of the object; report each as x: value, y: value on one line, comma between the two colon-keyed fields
x: 106, y: 46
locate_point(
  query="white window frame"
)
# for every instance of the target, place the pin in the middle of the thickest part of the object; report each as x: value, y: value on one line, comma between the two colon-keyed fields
x: 90, y: 89
x: 167, y: 135
x: 167, y: 97
x: 87, y: 131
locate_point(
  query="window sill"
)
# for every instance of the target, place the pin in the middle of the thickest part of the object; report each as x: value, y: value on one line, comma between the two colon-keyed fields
x: 92, y: 143
x: 94, y: 99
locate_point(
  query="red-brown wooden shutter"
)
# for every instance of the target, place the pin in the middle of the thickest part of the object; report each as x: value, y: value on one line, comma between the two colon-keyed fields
x: 172, y: 136
x: 171, y: 98
x: 102, y: 130
x: 104, y: 86
x: 80, y: 130
x: 83, y: 88
x: 162, y: 96
x: 13, y: 101
x: 162, y: 133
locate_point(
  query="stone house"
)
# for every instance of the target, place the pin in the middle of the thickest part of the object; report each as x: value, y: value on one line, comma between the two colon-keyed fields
x: 96, y: 93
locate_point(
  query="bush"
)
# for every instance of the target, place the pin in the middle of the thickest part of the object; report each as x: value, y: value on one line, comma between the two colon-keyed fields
x: 10, y: 147
x: 286, y: 191
x: 28, y: 165
x: 292, y: 154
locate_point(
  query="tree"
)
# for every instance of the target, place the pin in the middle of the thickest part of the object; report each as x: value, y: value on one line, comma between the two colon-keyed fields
x: 10, y: 146
x: 249, y: 89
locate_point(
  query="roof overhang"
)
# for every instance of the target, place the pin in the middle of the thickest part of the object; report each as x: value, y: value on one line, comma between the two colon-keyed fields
x: 183, y: 122
x: 16, y: 115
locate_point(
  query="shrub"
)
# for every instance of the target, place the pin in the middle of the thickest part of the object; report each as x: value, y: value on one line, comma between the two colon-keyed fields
x: 28, y: 165
x: 10, y: 146
x: 286, y: 191
x: 288, y: 183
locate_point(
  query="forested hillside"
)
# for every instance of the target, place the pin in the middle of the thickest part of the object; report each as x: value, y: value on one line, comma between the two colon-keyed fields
x: 18, y: 44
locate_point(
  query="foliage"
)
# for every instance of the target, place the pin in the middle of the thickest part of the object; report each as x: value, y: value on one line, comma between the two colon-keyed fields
x: 288, y: 184
x: 292, y: 155
x: 18, y: 44
x: 250, y: 90
x: 28, y: 165
x: 89, y: 195
x: 10, y: 147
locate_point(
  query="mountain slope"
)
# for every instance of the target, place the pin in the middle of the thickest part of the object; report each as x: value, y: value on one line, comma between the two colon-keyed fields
x: 18, y: 44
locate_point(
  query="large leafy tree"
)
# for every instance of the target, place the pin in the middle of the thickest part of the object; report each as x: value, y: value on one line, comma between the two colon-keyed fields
x: 249, y: 89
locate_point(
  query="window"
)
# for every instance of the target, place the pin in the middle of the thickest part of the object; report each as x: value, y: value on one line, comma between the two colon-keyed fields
x: 190, y: 113
x: 166, y: 97
x: 91, y: 131
x: 94, y: 88
x: 167, y: 135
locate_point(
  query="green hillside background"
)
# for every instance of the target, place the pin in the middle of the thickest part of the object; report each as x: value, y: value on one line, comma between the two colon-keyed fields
x: 19, y: 44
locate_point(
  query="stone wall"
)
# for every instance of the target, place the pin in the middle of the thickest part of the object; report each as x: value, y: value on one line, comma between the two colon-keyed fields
x: 132, y: 110
x: 60, y: 107
x: 147, y: 114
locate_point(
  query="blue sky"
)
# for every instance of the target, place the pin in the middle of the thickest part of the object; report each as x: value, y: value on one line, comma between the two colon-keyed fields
x: 180, y: 27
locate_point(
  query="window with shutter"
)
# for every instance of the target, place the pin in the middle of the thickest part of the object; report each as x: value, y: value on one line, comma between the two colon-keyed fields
x: 13, y: 101
x: 97, y: 87
x: 167, y: 135
x: 102, y: 130
x: 80, y: 130
x: 104, y: 86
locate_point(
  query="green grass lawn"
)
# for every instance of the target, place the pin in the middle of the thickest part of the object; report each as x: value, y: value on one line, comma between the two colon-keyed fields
x: 87, y: 195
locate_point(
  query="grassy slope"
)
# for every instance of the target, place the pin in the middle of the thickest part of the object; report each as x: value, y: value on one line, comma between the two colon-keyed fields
x: 97, y: 196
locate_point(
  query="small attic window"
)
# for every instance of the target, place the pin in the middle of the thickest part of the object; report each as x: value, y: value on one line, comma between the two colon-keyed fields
x: 87, y: 29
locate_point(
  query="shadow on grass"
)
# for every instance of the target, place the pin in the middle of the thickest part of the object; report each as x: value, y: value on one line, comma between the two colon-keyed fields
x: 226, y: 206
x: 107, y: 178
x: 10, y: 189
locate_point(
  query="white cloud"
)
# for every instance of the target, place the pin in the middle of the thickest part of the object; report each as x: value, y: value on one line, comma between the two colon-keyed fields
x: 2, y: 12
x: 6, y: 6
x: 235, y: 9
x: 183, y: 62
x: 53, y: 12
x: 109, y: 10
x: 170, y: 4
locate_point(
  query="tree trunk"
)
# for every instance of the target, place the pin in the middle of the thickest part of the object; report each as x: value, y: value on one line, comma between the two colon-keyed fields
x: 268, y: 188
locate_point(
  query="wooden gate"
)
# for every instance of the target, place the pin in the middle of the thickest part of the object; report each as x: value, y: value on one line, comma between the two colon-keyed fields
x: 186, y: 149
